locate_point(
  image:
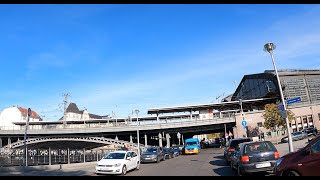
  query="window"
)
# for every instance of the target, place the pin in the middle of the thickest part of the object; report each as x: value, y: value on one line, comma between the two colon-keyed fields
x: 304, y: 118
x: 268, y: 134
x: 315, y: 148
x: 129, y: 154
x: 134, y: 154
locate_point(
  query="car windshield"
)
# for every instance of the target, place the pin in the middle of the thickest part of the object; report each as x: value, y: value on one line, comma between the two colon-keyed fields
x: 234, y: 143
x: 115, y: 156
x: 151, y: 150
x: 165, y: 150
x: 191, y: 143
x: 259, y: 147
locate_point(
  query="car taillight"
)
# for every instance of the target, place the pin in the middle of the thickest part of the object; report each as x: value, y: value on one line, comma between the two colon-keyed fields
x: 245, y: 159
x: 276, y: 155
x: 231, y: 149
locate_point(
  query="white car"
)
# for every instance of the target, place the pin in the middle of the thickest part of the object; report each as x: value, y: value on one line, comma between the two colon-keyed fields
x: 118, y: 162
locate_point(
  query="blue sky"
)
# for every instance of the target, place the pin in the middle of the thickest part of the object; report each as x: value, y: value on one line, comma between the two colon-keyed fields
x: 124, y: 57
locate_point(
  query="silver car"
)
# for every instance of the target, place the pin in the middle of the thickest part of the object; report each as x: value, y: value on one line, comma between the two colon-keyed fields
x: 295, y: 136
x: 152, y: 154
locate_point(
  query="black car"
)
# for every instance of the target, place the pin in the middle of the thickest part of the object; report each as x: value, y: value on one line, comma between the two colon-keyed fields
x: 311, y: 131
x: 168, y: 153
x: 176, y: 151
x: 231, y: 146
x: 252, y: 157
x: 179, y: 148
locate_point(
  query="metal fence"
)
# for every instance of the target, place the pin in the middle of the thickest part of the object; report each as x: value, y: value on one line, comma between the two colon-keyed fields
x: 37, y: 157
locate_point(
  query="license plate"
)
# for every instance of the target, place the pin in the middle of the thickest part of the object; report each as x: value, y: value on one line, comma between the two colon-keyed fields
x: 147, y: 158
x: 263, y: 165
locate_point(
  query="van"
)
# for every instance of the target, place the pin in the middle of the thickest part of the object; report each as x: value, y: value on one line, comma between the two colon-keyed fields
x: 192, y: 146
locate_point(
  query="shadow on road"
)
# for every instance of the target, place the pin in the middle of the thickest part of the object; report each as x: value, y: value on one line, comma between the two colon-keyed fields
x: 46, y: 173
x: 222, y: 168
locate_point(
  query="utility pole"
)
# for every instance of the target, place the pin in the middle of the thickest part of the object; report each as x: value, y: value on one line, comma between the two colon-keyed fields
x: 65, y: 101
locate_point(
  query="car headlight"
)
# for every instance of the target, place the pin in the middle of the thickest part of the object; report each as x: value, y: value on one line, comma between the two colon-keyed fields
x: 117, y: 165
x: 278, y: 161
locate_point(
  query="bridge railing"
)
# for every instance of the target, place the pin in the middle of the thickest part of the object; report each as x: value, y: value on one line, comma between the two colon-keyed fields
x: 177, y: 122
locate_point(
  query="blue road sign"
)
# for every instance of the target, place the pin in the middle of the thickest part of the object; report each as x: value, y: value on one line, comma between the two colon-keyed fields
x: 244, y: 123
x: 294, y: 100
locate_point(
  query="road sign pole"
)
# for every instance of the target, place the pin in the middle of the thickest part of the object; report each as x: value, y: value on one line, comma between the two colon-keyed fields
x: 243, y: 121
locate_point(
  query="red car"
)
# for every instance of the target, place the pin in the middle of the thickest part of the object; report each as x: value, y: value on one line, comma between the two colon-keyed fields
x: 304, y: 162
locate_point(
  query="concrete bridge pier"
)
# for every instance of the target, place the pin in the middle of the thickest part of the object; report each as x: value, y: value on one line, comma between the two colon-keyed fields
x: 168, y: 139
x: 160, y: 139
x: 131, y: 138
x: 9, y: 140
x: 0, y: 142
x: 145, y: 140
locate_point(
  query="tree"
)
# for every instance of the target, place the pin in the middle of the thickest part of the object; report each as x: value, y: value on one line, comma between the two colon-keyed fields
x: 273, y: 118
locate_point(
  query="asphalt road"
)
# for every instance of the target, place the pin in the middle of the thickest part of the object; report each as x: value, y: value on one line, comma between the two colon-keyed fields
x: 209, y: 162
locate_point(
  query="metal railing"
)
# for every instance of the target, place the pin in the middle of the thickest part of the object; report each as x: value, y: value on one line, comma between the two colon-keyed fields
x: 123, y: 125
x: 56, y: 156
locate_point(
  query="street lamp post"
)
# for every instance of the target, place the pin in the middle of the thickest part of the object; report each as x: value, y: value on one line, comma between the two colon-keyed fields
x: 269, y: 47
x: 137, y: 112
x: 25, y: 153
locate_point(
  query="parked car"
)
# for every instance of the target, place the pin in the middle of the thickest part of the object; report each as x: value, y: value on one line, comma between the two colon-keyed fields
x: 176, y: 151
x: 231, y: 146
x: 118, y: 162
x: 250, y: 157
x: 295, y: 136
x: 168, y: 153
x: 178, y: 147
x: 152, y: 154
x: 311, y: 131
x: 304, y: 162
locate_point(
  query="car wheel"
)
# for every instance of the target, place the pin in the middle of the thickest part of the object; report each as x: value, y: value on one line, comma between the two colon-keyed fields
x: 228, y: 162
x: 124, y: 170
x: 239, y: 171
x: 138, y: 165
x: 292, y: 173
x: 232, y: 166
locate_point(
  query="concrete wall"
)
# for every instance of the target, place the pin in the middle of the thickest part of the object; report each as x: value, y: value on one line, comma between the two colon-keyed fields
x: 10, y: 115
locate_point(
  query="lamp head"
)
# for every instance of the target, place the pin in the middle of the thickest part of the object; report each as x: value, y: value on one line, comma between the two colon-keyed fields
x: 269, y: 47
x: 136, y: 111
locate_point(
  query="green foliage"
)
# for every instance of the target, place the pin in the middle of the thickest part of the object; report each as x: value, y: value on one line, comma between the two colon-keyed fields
x: 273, y: 118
